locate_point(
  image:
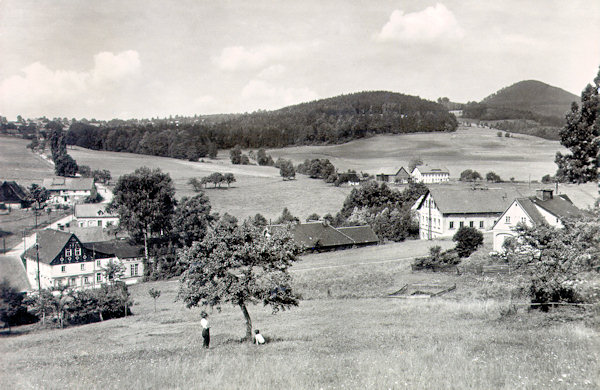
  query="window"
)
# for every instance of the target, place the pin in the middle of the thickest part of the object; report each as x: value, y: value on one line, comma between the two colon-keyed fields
x: 99, y: 223
x: 63, y: 268
x: 471, y: 224
x: 98, y: 277
x: 83, y: 266
x: 86, y: 280
x: 68, y: 252
x: 78, y: 251
x: 98, y: 263
x: 451, y: 225
x: 133, y: 268
x: 507, y: 219
x: 72, y: 282
x: 481, y: 224
x: 462, y: 224
x: 523, y: 219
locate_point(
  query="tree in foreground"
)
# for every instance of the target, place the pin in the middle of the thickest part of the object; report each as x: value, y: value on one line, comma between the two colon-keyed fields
x: 467, y: 240
x: 240, y: 265
x: 553, y: 264
x: 154, y: 294
x: 191, y: 219
x: 581, y: 135
x: 38, y: 194
x: 145, y: 201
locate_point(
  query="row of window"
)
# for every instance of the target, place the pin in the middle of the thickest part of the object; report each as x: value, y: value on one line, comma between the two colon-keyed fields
x: 462, y: 224
x: 69, y: 252
x: 133, y: 269
x: 507, y: 219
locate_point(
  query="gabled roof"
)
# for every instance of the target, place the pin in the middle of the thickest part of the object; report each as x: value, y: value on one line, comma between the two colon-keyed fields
x: 464, y: 200
x: 50, y: 244
x: 560, y: 206
x: 360, y: 234
x: 10, y: 191
x: 319, y: 234
x: 92, y: 210
x: 427, y: 169
x: 122, y: 249
x: 94, y: 233
x: 402, y: 172
x: 68, y: 184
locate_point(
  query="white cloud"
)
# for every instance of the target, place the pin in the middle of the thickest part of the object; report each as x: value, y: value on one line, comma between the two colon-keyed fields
x: 235, y: 58
x: 39, y: 90
x: 264, y: 95
x: 431, y: 24
x: 272, y: 72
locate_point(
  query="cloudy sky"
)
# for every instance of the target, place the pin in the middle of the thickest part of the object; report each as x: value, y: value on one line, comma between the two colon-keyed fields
x: 149, y: 58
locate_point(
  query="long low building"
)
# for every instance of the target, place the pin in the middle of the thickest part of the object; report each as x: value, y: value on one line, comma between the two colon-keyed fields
x: 444, y: 209
x: 68, y: 190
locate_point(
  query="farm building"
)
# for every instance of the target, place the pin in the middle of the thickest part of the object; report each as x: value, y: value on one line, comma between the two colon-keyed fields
x: 321, y: 236
x: 13, y: 196
x: 428, y: 174
x: 445, y: 209
x: 401, y: 176
x: 61, y: 259
x: 94, y: 214
x: 68, y: 190
x: 543, y: 208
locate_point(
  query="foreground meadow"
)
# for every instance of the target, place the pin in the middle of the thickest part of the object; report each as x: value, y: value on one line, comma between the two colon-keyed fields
x: 346, y: 333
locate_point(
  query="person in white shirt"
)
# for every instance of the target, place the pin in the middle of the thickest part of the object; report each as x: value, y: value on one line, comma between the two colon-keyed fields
x: 258, y: 338
x: 205, y: 329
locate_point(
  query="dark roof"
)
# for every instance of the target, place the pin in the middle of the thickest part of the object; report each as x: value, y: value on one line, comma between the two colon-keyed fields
x: 360, y: 234
x: 426, y: 169
x: 319, y: 234
x: 10, y: 191
x: 94, y: 233
x: 93, y: 210
x: 460, y: 200
x: 68, y: 184
x: 122, y: 249
x: 402, y: 172
x: 50, y: 244
x: 560, y: 206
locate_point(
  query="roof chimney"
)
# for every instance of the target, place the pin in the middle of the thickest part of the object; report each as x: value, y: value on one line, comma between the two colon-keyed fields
x: 543, y: 194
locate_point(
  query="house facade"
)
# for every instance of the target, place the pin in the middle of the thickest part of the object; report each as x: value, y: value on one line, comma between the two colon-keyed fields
x: 543, y: 208
x: 68, y: 190
x: 94, y: 215
x: 61, y: 259
x: 444, y: 209
x: 428, y: 174
x: 13, y: 196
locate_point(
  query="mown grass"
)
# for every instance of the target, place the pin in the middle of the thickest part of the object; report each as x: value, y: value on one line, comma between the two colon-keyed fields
x: 460, y: 340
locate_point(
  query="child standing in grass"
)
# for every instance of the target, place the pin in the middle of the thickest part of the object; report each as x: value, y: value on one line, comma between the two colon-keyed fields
x: 258, y: 338
x: 205, y: 329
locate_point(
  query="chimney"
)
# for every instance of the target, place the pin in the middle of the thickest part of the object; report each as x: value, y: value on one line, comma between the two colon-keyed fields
x: 543, y: 194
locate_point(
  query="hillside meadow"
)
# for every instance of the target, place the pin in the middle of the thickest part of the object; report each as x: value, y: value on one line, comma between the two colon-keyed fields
x: 349, y: 335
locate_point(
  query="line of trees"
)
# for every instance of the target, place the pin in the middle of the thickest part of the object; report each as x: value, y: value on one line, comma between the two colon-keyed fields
x: 64, y: 164
x: 215, y: 178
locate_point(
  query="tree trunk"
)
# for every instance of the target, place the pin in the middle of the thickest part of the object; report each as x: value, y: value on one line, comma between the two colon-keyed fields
x: 248, y: 321
x: 101, y: 316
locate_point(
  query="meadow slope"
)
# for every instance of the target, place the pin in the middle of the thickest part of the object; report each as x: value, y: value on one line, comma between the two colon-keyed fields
x: 346, y: 336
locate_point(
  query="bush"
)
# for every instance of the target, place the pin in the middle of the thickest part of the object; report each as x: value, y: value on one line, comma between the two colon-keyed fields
x: 470, y: 175
x: 437, y: 259
x: 467, y: 240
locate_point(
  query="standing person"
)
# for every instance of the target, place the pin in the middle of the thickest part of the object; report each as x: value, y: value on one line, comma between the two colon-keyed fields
x: 205, y: 329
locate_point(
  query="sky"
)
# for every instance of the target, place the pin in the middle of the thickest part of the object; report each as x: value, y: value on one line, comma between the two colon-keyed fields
x: 148, y: 58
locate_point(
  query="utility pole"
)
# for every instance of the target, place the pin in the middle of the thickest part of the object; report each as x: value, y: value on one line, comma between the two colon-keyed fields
x: 37, y: 258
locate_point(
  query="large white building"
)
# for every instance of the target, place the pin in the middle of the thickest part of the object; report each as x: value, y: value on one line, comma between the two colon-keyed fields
x: 444, y: 209
x: 94, y: 215
x: 428, y: 174
x: 68, y: 190
x: 544, y: 208
x: 61, y: 259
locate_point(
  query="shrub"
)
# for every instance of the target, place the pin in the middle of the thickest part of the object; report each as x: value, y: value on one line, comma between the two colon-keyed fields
x: 467, y: 240
x: 436, y: 259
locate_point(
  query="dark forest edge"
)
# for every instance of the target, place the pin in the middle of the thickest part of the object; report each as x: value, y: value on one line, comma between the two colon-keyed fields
x: 328, y: 121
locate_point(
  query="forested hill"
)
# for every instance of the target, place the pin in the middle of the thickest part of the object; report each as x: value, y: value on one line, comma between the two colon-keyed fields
x: 333, y: 120
x: 529, y: 106
x: 535, y: 96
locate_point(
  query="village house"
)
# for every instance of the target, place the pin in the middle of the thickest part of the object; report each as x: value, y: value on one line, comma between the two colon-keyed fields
x: 68, y: 190
x: 94, y: 215
x: 401, y: 176
x: 428, y: 174
x: 13, y: 196
x: 61, y: 259
x: 321, y: 236
x: 543, y: 208
x: 445, y: 209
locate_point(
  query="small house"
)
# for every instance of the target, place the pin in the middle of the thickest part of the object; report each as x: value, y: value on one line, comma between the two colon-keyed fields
x: 13, y: 196
x: 94, y: 215
x: 68, y: 190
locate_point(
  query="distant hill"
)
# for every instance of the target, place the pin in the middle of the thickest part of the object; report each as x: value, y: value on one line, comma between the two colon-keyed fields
x: 327, y: 121
x: 535, y: 96
x: 529, y: 107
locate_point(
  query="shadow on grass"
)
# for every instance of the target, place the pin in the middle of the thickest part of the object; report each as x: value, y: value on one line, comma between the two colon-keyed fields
x: 244, y: 340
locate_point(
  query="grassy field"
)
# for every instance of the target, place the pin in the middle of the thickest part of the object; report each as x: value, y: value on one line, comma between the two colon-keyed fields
x: 21, y: 164
x: 353, y: 338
